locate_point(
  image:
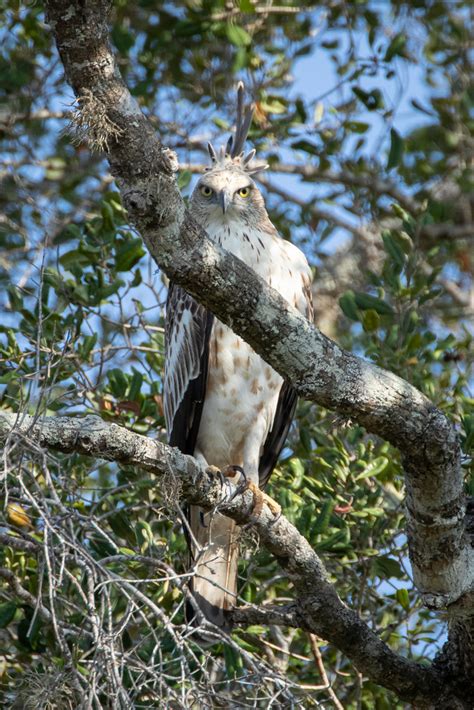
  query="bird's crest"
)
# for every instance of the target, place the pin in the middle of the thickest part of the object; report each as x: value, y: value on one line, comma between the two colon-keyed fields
x: 232, y: 155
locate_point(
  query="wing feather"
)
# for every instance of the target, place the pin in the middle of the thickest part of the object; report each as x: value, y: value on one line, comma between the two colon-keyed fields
x: 275, y: 440
x: 287, y: 400
x: 187, y: 331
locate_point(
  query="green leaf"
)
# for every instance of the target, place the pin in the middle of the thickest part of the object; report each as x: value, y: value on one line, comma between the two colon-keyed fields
x: 123, y: 39
x: 408, y: 222
x: 274, y: 104
x: 238, y: 36
x: 128, y: 253
x: 396, y: 47
x: 297, y: 469
x: 7, y: 612
x: 108, y: 216
x: 300, y: 109
x: 103, y: 294
x: 403, y: 598
x: 119, y: 522
x: 357, y: 126
x: 75, y: 257
x: 370, y: 320
x: 233, y: 661
x: 386, y: 567
x: 393, y: 250
x: 404, y: 241
x: 29, y: 631
x: 348, y: 305
x: 118, y: 382
x: 185, y: 28
x: 7, y: 377
x: 184, y: 178
x: 306, y: 146
x: 397, y: 146
x: 135, y: 385
x: 305, y: 438
x: 137, y: 278
x: 337, y: 541
x: 374, y: 468
x: 15, y: 297
x: 144, y: 535
x: 87, y: 345
x: 468, y: 436
x: 321, y: 523
x: 377, y: 512
x: 102, y: 546
x: 318, y: 113
x: 364, y: 301
x: 372, y: 100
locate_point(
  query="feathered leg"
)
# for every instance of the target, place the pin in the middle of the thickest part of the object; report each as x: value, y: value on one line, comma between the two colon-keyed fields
x: 214, y: 553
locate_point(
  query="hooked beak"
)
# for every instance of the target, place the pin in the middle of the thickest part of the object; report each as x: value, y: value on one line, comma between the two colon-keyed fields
x: 224, y: 201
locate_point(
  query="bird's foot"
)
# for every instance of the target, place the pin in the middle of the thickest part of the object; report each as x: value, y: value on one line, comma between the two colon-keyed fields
x: 259, y: 498
x: 225, y: 474
x: 232, y: 471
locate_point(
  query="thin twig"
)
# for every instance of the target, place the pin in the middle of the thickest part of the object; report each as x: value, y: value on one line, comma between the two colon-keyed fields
x: 313, y: 639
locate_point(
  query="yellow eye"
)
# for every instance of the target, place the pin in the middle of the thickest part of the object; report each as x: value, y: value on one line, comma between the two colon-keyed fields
x: 244, y: 191
x: 206, y: 191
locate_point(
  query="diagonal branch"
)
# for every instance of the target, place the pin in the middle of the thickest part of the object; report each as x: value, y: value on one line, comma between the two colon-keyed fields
x: 317, y: 608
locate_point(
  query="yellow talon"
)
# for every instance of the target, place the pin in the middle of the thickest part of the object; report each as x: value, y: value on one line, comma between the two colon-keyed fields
x: 259, y: 498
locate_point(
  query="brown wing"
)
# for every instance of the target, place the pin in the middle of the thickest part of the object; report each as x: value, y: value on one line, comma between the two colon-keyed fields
x: 187, y: 332
x: 286, y: 403
x: 277, y: 436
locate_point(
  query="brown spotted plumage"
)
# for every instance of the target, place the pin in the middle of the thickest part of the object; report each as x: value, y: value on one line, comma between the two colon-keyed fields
x: 223, y: 403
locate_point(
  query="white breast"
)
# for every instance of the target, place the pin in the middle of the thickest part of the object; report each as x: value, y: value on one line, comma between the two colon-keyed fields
x: 242, y: 391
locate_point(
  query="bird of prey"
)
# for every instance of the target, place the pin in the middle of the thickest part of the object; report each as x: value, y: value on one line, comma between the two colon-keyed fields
x: 223, y: 404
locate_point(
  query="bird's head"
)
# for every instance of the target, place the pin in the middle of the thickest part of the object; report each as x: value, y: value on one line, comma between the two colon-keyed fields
x: 228, y: 193
x: 227, y: 190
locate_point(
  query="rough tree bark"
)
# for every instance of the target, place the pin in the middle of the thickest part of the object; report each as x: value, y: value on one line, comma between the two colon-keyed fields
x: 317, y: 607
x: 441, y: 555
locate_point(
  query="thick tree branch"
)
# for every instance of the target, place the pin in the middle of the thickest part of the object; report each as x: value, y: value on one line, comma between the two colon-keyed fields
x: 319, y: 369
x: 317, y: 608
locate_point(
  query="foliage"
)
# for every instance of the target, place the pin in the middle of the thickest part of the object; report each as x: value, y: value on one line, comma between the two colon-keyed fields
x: 82, y: 331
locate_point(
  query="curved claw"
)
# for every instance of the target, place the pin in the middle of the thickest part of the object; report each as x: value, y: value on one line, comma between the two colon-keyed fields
x: 222, y: 477
x: 259, y: 497
x: 242, y: 486
x: 232, y: 470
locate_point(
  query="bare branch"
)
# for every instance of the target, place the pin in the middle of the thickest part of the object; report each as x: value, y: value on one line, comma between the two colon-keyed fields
x: 268, y: 615
x: 317, y: 604
x: 259, y: 10
x: 319, y: 662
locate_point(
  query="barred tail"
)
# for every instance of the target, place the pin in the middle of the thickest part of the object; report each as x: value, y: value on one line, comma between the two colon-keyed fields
x: 214, y: 585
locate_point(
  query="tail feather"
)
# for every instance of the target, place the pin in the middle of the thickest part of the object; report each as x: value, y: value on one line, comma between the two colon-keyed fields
x: 215, y: 554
